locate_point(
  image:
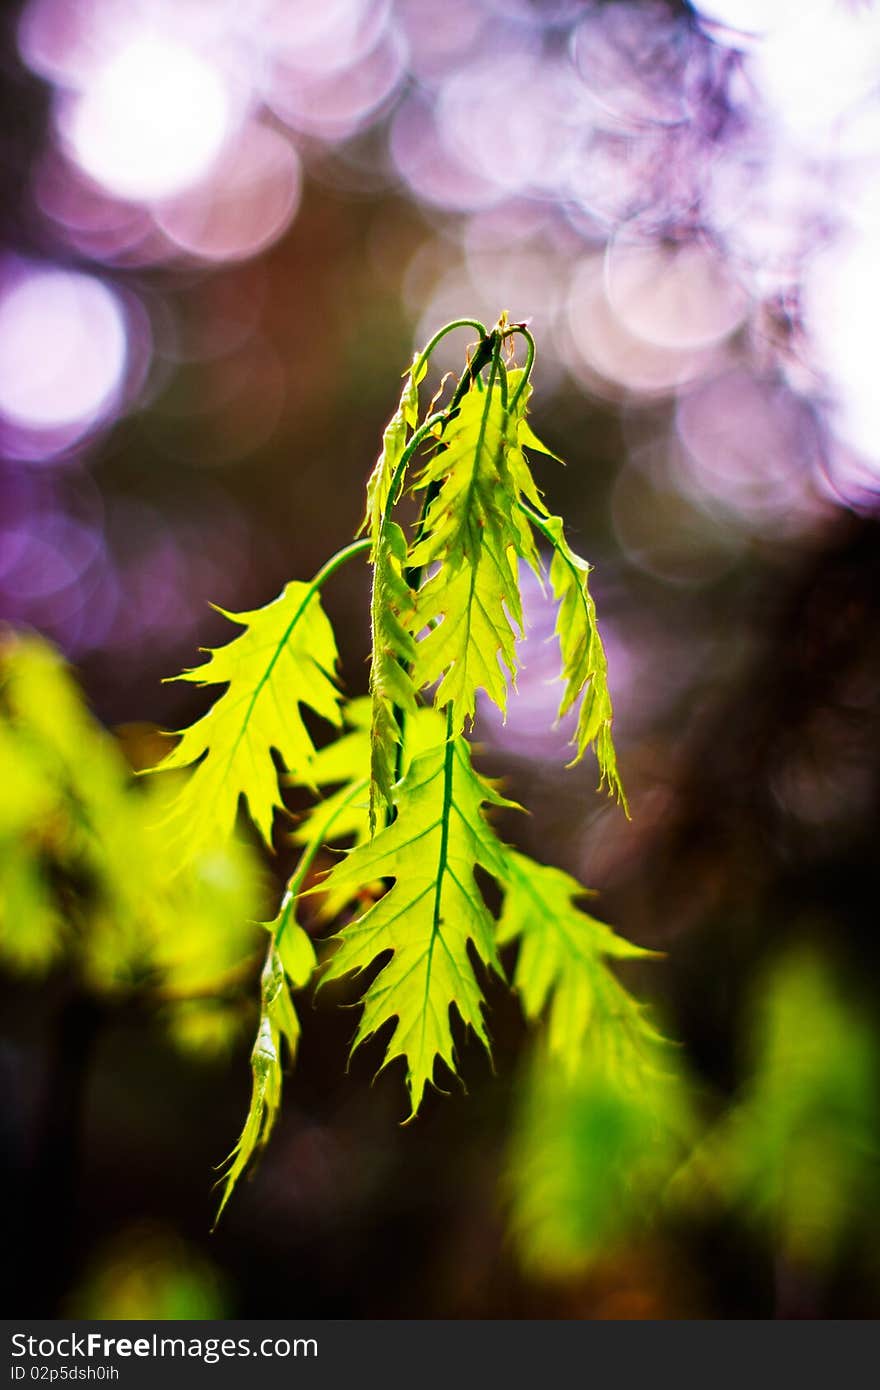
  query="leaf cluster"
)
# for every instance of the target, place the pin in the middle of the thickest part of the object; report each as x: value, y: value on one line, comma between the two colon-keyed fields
x: 398, y: 786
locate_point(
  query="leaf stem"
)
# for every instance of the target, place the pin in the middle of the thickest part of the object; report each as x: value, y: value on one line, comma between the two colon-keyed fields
x: 441, y: 333
x: 546, y: 531
x: 521, y: 329
x: 537, y: 520
x: 307, y: 858
x: 337, y: 561
x: 487, y: 351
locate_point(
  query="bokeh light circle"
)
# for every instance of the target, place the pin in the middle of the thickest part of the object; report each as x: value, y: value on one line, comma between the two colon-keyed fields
x: 248, y: 202
x: 152, y: 120
x: 677, y: 295
x: 63, y: 349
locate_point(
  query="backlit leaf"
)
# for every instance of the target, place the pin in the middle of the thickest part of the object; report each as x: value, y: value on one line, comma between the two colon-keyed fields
x: 468, y: 612
x: 343, y: 815
x: 290, y: 961
x: 394, y: 441
x: 429, y: 917
x: 285, y: 657
x: 584, y: 666
x: 392, y: 691
x: 561, y: 967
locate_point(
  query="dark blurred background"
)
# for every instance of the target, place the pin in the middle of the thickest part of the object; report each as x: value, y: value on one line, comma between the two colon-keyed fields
x: 224, y: 226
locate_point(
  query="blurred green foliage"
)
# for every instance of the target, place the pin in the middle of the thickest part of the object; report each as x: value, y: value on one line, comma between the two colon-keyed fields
x: 798, y: 1155
x: 593, y: 1149
x: 145, y: 1272
x: 619, y: 1145
x: 88, y: 886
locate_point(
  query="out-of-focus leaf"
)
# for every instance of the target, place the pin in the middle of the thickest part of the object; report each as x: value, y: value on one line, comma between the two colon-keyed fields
x: 148, y: 1272
x: 26, y: 794
x: 31, y: 927
x: 88, y: 874
x: 799, y: 1154
x: 591, y: 1155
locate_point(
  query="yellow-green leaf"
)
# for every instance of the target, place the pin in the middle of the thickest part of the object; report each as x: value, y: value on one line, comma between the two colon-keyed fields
x: 285, y: 657
x: 561, y: 967
x: 394, y: 649
x: 525, y: 437
x: 394, y: 440
x: 584, y: 665
x: 429, y: 917
x: 290, y: 960
x: 343, y: 815
x: 468, y: 613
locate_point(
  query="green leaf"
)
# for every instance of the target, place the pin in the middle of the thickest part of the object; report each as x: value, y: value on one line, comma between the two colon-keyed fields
x: 525, y: 437
x: 292, y: 943
x: 796, y: 1154
x: 584, y: 666
x: 343, y: 815
x: 561, y: 967
x: 429, y: 916
x: 347, y: 759
x: 290, y: 961
x: 394, y: 438
x: 394, y: 650
x: 605, y: 1115
x: 469, y: 612
x: 32, y: 930
x: 90, y: 877
x: 53, y: 725
x: 200, y: 926
x: 285, y: 656
x: 393, y: 647
x: 590, y: 1160
x: 529, y: 440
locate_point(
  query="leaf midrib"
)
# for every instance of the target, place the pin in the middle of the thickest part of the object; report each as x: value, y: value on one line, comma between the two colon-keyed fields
x: 279, y: 647
x: 448, y: 762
